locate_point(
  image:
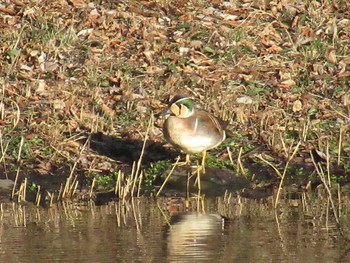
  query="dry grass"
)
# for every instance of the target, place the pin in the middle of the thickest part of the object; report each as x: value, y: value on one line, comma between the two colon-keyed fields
x: 278, y: 71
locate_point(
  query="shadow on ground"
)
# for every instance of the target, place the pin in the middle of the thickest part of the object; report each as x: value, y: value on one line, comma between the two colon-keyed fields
x: 213, y: 183
x: 128, y: 151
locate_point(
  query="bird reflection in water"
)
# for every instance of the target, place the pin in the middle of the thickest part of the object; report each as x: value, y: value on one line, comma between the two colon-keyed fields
x: 194, y: 237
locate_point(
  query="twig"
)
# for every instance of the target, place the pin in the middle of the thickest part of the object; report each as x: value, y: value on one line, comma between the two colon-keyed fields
x: 284, y: 173
x: 18, y: 168
x: 320, y: 173
x: 170, y: 173
x: 259, y: 156
x: 139, y: 162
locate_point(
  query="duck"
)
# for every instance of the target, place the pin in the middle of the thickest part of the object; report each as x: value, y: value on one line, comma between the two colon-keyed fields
x: 191, y: 130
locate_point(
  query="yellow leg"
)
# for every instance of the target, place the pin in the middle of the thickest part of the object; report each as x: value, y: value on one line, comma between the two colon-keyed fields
x: 188, y: 159
x: 201, y: 168
x: 186, y: 162
x: 204, y: 154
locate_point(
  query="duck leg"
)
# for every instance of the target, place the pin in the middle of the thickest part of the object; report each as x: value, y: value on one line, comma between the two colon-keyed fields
x: 204, y: 154
x: 186, y: 162
x: 201, y: 167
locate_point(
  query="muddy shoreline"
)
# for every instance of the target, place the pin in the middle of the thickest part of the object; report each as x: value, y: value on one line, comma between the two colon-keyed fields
x: 259, y: 181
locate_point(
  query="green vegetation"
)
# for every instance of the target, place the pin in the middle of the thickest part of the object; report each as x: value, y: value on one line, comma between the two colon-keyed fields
x: 30, y: 147
x: 214, y: 162
x: 105, y: 182
x: 156, y: 170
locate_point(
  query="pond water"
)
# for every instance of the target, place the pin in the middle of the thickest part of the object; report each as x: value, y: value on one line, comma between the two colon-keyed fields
x: 173, y: 230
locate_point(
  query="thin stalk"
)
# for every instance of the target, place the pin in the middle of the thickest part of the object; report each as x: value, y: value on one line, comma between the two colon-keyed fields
x: 168, y: 176
x: 139, y: 162
x: 284, y: 173
x: 92, y: 187
x: 38, y: 196
x: 51, y: 199
x: 259, y: 156
x: 321, y: 174
x: 239, y: 161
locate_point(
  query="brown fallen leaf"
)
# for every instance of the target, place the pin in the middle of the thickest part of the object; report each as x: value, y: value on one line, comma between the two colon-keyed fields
x: 41, y: 89
x: 7, y: 11
x: 48, y: 66
x: 330, y: 55
x: 58, y: 104
x: 94, y: 15
x: 297, y: 106
x: 274, y: 49
x: 295, y: 22
x: 286, y: 84
x: 155, y: 70
x: 149, y: 56
x: 43, y: 167
x: 18, y: 3
x: 78, y: 3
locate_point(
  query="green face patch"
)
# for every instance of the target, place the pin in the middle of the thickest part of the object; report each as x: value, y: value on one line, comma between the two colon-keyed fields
x: 185, y: 102
x: 182, y: 107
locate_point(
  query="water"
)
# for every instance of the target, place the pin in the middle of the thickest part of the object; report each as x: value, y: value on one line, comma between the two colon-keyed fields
x: 172, y: 230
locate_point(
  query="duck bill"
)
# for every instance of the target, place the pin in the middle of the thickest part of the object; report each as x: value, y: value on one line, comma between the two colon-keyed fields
x: 164, y: 112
